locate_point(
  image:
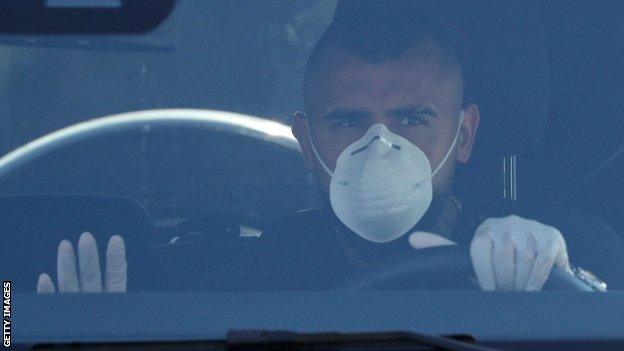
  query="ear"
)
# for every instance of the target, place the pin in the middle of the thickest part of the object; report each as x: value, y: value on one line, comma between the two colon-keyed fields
x: 467, y: 133
x: 302, y: 134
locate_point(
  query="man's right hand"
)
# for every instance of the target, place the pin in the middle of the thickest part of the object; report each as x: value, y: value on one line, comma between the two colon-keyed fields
x: 85, y: 274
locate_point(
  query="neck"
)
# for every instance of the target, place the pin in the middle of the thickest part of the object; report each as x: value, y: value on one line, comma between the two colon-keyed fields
x: 440, y: 219
x: 444, y: 224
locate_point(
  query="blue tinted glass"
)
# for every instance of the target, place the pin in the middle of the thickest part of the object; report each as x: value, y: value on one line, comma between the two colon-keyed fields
x: 290, y: 146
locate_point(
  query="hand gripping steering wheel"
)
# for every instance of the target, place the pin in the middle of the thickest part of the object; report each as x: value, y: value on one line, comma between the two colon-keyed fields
x: 440, y: 268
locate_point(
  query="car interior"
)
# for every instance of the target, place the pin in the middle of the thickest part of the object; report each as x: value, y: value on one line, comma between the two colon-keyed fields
x: 547, y: 130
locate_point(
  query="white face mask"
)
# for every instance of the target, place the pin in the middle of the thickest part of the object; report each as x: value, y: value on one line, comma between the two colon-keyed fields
x: 382, y: 184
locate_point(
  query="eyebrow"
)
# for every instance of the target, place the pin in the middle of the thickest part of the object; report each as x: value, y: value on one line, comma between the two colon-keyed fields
x: 342, y: 114
x: 411, y: 109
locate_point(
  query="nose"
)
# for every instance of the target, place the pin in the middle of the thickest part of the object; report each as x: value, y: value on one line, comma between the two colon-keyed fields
x: 380, y: 146
x: 377, y: 143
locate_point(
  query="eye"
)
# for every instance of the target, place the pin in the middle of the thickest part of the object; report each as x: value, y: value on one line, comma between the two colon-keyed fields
x: 346, y: 123
x: 411, y: 121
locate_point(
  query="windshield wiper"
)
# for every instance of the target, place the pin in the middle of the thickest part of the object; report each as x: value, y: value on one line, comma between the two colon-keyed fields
x: 287, y: 340
x: 274, y: 339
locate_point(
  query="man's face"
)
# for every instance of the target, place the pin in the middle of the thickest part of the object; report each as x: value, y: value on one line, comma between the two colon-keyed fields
x: 415, y: 96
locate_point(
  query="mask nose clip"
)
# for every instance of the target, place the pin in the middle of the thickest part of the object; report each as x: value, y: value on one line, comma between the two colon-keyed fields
x: 373, y: 139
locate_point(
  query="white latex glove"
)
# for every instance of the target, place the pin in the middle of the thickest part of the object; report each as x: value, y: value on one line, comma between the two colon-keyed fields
x: 424, y: 240
x: 88, y: 268
x: 514, y: 253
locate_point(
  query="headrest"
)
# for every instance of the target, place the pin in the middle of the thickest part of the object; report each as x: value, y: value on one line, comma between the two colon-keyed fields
x: 505, y: 69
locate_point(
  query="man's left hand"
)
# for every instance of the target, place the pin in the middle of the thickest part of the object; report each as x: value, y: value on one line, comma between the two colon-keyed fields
x: 513, y: 253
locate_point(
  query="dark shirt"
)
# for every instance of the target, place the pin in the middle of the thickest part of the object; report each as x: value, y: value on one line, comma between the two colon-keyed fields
x: 311, y: 250
x: 321, y: 251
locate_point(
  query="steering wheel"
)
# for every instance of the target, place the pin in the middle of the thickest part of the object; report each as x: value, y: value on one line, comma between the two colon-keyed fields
x: 141, y: 124
x: 440, y: 268
x: 144, y: 121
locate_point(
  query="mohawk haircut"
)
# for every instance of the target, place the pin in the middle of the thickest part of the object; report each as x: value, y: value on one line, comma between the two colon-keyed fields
x: 382, y: 31
x: 379, y: 31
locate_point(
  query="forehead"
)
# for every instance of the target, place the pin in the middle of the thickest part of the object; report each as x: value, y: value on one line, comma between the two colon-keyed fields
x: 345, y: 80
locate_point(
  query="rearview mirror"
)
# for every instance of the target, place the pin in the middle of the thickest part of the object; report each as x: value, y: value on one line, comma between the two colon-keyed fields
x: 82, y: 17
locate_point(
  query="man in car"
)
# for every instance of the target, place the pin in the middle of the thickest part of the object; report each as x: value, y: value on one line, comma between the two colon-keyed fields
x: 385, y: 125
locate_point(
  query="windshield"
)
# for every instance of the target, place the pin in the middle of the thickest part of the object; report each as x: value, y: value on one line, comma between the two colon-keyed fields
x: 315, y: 145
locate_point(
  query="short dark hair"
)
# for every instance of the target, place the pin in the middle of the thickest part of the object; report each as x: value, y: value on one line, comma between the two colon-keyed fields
x: 382, y: 31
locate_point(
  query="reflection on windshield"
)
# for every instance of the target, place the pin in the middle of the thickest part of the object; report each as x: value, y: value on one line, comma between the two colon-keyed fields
x: 434, y: 147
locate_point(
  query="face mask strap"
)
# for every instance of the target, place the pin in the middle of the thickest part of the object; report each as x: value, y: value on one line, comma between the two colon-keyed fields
x: 448, y: 153
x: 318, y: 157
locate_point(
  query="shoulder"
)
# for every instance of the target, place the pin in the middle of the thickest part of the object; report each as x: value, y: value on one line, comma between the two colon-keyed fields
x: 300, y: 251
x: 305, y: 236
x: 304, y: 225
